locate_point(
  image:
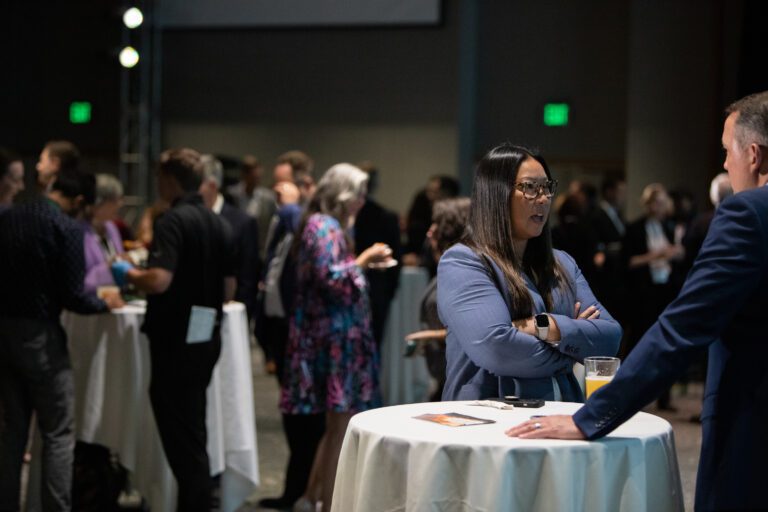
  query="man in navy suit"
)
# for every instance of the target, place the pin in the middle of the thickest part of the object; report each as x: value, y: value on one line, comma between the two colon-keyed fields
x: 722, y: 306
x: 245, y: 233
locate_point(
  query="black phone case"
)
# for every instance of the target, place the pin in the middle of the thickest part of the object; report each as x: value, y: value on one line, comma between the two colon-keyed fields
x: 531, y: 403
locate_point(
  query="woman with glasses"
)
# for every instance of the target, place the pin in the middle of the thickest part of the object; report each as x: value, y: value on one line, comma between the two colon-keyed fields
x: 518, y: 313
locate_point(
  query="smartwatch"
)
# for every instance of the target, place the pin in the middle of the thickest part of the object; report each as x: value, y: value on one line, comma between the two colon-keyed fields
x: 542, y: 326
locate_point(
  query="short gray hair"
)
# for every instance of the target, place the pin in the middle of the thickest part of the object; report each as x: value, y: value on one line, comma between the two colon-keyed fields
x: 720, y: 188
x: 108, y: 188
x: 752, y: 123
x: 213, y: 170
x: 339, y: 186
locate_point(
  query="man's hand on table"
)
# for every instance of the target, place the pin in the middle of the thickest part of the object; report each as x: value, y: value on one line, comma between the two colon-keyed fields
x: 559, y: 426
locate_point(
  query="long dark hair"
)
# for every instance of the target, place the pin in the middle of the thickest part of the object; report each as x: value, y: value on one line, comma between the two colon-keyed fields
x: 489, y: 230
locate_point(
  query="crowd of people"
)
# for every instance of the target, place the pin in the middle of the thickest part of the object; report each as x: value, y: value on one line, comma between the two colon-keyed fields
x: 512, y: 305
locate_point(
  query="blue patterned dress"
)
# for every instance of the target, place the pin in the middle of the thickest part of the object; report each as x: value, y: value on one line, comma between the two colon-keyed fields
x: 332, y: 362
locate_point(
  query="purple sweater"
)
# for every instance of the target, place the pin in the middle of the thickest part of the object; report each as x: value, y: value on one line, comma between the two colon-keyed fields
x: 97, y: 269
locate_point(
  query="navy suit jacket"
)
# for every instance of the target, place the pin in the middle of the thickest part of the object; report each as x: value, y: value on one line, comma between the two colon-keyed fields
x: 489, y: 357
x: 723, y: 305
x: 245, y: 233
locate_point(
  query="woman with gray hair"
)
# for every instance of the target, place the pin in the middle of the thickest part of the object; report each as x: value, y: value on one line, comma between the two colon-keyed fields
x: 101, y: 238
x: 331, y: 360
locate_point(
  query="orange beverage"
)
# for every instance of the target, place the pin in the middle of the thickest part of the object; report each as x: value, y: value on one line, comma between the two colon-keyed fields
x: 599, y: 371
x: 595, y: 382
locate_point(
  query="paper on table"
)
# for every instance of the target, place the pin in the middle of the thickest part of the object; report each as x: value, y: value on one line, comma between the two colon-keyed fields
x: 201, y: 323
x: 453, y: 419
x: 493, y: 403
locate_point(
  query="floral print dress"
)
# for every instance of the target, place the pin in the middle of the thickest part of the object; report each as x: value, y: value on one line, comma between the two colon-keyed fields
x: 331, y: 358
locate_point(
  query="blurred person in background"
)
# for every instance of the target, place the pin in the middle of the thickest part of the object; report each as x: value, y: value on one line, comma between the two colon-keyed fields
x: 302, y: 431
x: 449, y: 218
x: 245, y: 233
x: 680, y: 220
x: 57, y: 155
x: 11, y: 178
x: 575, y: 236
x: 296, y: 167
x: 332, y: 362
x: 42, y: 271
x: 419, y: 219
x: 101, y: 238
x: 518, y: 313
x: 253, y: 198
x: 144, y: 231
x: 374, y: 223
x: 719, y: 190
x: 190, y: 275
x: 608, y: 222
x: 650, y: 253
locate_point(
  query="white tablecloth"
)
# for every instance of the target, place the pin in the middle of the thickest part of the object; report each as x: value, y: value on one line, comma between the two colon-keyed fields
x: 392, y: 462
x: 110, y: 358
x: 404, y: 380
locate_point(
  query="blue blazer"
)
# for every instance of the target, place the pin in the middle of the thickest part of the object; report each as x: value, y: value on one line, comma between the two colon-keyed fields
x: 488, y: 357
x: 723, y: 305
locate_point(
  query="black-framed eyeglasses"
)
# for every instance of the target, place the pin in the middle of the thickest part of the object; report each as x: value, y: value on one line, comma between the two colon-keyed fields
x: 533, y: 189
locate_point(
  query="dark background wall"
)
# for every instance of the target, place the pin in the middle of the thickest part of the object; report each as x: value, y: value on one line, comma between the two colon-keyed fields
x: 55, y: 53
x: 646, y: 80
x: 341, y: 94
x: 532, y: 53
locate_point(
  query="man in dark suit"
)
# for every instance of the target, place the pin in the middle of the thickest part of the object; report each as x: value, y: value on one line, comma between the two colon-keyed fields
x: 245, y: 233
x: 722, y: 306
x: 609, y: 227
x: 374, y: 223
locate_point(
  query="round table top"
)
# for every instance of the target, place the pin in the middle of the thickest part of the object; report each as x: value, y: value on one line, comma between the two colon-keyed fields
x: 139, y: 307
x: 398, y: 422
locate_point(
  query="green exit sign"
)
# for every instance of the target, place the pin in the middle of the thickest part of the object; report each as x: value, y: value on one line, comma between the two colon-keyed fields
x: 556, y: 114
x: 80, y: 112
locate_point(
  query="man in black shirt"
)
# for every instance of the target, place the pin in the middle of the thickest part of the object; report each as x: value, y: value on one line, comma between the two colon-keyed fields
x: 190, y: 263
x: 42, y: 271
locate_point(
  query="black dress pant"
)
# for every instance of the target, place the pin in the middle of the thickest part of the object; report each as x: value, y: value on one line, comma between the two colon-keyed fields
x: 181, y: 373
x: 36, y: 375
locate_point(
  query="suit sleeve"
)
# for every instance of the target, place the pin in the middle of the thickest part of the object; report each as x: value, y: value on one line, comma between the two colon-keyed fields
x: 584, y: 338
x: 724, y: 276
x: 475, y: 313
x: 249, y: 263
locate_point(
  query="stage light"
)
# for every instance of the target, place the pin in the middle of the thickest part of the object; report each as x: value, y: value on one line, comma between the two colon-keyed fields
x: 129, y: 57
x: 133, y: 17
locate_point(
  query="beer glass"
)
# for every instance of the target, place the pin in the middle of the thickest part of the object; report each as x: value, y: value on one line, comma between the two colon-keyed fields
x: 599, y: 371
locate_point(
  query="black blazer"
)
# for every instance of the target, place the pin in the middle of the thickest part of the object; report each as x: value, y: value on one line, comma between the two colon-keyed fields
x: 245, y: 236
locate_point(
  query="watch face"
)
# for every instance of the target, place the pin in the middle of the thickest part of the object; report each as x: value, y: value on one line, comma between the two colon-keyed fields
x: 542, y: 320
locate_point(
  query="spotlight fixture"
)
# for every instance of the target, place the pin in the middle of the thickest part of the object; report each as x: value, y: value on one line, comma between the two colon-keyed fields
x: 129, y: 57
x: 133, y: 17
